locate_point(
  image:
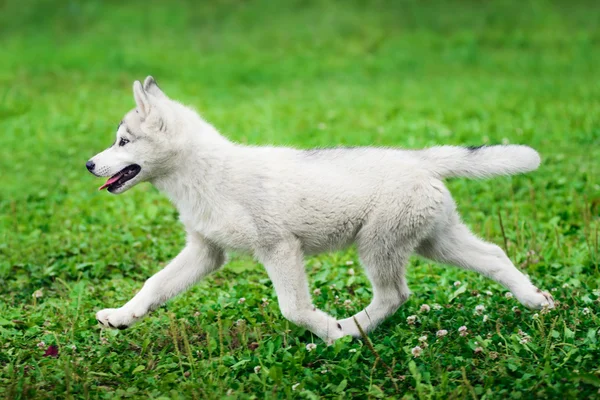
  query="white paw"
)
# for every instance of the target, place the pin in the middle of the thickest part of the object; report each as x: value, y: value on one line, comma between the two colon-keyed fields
x: 116, y: 318
x: 349, y: 327
x: 536, y: 299
x: 324, y: 326
x: 334, y: 334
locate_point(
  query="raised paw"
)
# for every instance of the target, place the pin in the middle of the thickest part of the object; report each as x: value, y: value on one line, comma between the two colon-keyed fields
x: 115, y: 318
x: 536, y: 299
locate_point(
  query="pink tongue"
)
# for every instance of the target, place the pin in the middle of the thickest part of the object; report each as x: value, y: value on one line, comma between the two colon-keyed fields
x: 110, y: 181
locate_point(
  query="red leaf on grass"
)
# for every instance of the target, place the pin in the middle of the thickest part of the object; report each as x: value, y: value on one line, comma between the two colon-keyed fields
x: 51, y: 351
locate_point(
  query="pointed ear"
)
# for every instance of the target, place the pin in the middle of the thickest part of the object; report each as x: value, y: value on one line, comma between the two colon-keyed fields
x: 141, y: 99
x: 150, y: 86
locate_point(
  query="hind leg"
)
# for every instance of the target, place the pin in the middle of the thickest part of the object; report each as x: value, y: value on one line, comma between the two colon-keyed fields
x: 387, y: 241
x: 455, y: 244
x: 386, y: 271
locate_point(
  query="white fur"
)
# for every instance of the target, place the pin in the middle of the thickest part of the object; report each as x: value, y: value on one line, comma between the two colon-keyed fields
x: 280, y: 204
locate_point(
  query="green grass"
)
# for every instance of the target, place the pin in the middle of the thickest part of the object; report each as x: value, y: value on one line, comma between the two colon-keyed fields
x: 301, y: 73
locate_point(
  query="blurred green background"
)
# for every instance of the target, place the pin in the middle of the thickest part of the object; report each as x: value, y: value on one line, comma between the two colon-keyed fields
x: 298, y: 73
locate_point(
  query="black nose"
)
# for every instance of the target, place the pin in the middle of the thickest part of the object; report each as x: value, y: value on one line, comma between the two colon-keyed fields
x: 90, y: 165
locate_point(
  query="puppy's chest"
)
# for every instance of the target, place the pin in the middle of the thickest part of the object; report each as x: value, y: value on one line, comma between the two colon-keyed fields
x: 227, y: 231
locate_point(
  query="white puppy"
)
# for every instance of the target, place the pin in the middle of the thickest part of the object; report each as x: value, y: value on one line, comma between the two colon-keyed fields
x: 280, y: 204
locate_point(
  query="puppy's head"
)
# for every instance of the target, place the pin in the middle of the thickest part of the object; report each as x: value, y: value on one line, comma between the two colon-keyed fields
x: 143, y: 146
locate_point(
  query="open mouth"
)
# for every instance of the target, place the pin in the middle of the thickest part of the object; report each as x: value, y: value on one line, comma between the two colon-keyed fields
x: 119, y: 179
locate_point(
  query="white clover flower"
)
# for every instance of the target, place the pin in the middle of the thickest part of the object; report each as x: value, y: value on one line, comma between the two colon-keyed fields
x: 585, y: 311
x: 478, y: 350
x: 416, y: 351
x: 545, y: 310
x: 457, y: 284
x: 197, y: 314
x: 311, y: 347
x: 41, y: 345
x: 265, y: 302
x: 411, y: 319
x: 480, y: 309
x: 486, y: 318
x: 553, y: 289
x: 351, y: 271
x: 242, y: 300
x: 347, y: 303
x: 463, y: 331
x: 524, y: 337
x: 425, y: 308
x: 437, y: 307
x: 423, y: 338
x: 508, y: 295
x: 349, y: 262
x: 489, y: 292
x: 240, y: 322
x: 257, y: 369
x: 565, y: 285
x: 294, y: 386
x: 317, y: 292
x: 73, y: 347
x: 38, y: 293
x: 441, y: 333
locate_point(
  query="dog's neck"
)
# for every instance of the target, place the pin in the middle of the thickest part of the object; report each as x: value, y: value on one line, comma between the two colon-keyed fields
x: 193, y: 186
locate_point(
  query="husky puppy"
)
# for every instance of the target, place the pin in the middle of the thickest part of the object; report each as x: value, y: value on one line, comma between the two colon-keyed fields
x: 281, y: 204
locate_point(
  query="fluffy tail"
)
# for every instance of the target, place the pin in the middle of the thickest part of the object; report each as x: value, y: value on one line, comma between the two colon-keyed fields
x: 480, y: 162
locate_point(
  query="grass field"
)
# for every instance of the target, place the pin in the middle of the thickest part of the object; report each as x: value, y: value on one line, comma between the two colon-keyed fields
x: 300, y: 73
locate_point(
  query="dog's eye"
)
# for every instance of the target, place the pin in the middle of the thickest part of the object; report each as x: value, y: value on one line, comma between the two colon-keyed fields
x: 123, y: 142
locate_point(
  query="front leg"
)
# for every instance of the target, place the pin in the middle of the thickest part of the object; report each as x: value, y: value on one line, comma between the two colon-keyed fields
x: 198, y: 259
x: 285, y: 265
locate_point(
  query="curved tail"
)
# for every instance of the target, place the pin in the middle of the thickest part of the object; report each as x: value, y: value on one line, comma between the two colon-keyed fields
x: 480, y: 162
